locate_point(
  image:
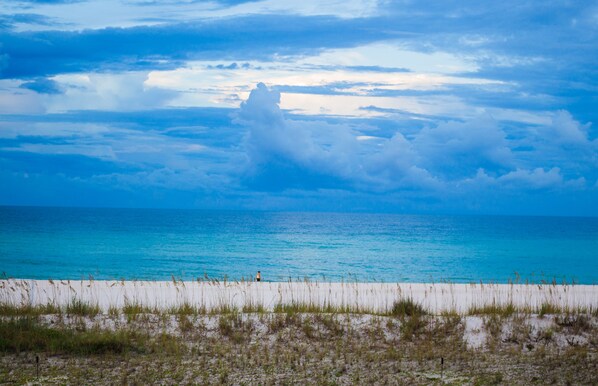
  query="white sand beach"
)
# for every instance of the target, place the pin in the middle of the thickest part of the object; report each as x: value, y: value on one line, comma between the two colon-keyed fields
x: 369, y: 297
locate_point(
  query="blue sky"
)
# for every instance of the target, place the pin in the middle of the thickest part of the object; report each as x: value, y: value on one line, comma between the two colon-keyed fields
x: 362, y: 105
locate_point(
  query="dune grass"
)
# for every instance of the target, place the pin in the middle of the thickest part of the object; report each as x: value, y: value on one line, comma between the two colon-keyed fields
x: 507, y: 309
x: 290, y: 346
x: 312, y: 308
x: 28, y: 310
x: 26, y: 334
x: 407, y: 307
x: 17, y: 298
x: 294, y: 348
x: 81, y: 308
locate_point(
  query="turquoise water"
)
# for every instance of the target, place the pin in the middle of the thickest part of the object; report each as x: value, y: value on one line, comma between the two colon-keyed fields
x: 72, y: 243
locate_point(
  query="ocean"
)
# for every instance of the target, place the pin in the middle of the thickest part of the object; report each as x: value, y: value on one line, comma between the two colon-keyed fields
x: 157, y: 244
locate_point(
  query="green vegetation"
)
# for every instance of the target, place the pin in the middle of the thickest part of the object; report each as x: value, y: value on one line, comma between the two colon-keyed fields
x: 549, y: 309
x: 253, y: 308
x: 80, y: 308
x: 235, y: 327
x: 407, y: 307
x: 496, y: 309
x: 133, y: 310
x: 28, y: 310
x: 402, y: 342
x: 312, y: 308
x: 186, y: 309
x: 223, y: 309
x: 288, y: 346
x: 26, y: 334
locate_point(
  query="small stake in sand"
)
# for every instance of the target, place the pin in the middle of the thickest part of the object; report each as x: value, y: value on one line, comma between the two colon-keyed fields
x: 37, y: 366
x: 441, y: 367
x: 258, y: 277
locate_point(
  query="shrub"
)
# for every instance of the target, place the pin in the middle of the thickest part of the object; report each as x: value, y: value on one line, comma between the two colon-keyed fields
x: 407, y: 307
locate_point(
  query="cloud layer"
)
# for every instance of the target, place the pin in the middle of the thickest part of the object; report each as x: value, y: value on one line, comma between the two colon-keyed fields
x: 358, y: 105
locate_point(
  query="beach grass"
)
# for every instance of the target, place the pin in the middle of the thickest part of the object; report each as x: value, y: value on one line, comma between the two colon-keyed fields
x: 498, y: 309
x: 25, y: 334
x: 407, y: 307
x: 82, y: 308
x: 19, y: 297
x: 299, y: 347
x: 28, y: 310
x: 218, y: 332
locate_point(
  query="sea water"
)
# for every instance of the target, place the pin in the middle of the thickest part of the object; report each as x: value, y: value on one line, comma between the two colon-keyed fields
x: 157, y: 244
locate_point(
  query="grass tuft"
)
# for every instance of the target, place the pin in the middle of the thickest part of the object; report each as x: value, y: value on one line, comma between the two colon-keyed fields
x: 81, y: 308
x: 407, y: 307
x: 234, y: 327
x: 549, y: 309
x: 576, y: 323
x: 254, y: 308
x: 494, y: 309
x: 413, y: 327
x: 133, y: 310
x: 186, y: 309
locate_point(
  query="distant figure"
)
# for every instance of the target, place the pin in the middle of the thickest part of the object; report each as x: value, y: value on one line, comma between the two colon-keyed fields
x: 258, y: 277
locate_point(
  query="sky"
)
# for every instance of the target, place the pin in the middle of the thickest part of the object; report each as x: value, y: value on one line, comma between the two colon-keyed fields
x: 445, y: 106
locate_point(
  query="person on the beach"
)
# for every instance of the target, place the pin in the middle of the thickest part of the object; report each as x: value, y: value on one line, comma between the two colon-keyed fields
x: 258, y: 277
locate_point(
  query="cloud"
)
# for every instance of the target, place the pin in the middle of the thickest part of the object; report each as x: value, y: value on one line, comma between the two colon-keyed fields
x: 324, y: 155
x: 565, y: 142
x: 536, y: 179
x: 235, y: 2
x: 399, y: 105
x: 455, y: 148
x: 290, y: 153
x: 231, y: 66
x: 523, y: 51
x: 268, y: 152
x: 168, y: 46
x: 52, y: 1
x: 73, y: 165
x: 97, y: 91
x: 20, y: 102
x: 526, y: 180
x: 8, y: 21
x: 43, y: 86
x: 566, y: 131
x: 395, y: 166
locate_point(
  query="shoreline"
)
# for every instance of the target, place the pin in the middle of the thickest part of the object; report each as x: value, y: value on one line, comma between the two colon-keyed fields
x: 349, y: 296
